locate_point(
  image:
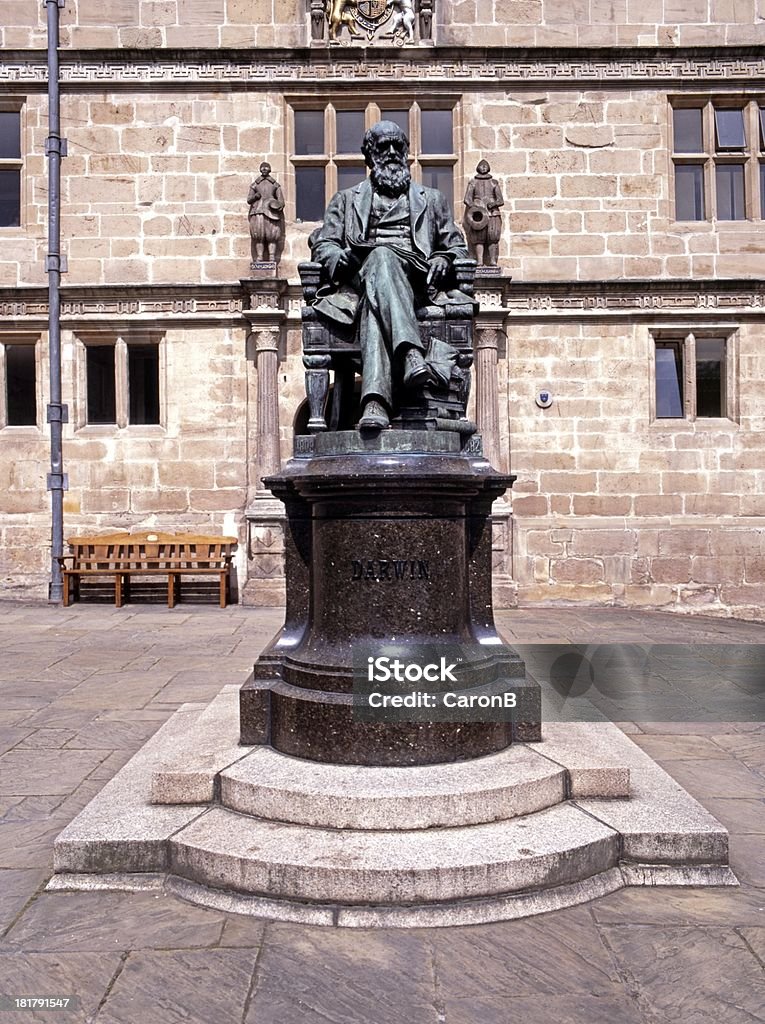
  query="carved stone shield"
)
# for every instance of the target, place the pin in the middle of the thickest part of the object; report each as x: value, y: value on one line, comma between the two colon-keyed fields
x: 371, y: 14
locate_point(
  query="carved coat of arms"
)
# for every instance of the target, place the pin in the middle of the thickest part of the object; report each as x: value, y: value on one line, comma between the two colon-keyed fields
x: 370, y: 16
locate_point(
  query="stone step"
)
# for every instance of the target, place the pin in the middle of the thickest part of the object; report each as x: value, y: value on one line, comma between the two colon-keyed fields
x: 515, y: 782
x: 557, y: 846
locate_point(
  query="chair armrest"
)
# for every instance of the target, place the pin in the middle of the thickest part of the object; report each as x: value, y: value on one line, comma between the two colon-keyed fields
x: 310, y: 278
x: 464, y: 272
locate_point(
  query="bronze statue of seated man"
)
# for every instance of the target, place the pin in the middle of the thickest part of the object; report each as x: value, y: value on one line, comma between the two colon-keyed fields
x: 386, y: 245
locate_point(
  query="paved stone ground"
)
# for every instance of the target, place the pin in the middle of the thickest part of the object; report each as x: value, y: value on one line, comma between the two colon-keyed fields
x: 82, y: 688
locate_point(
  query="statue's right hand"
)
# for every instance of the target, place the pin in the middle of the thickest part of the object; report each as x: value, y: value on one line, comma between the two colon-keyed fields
x: 347, y: 264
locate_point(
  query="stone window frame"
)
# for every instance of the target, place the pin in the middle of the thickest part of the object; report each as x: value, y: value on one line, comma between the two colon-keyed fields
x: 686, y: 336
x: 15, y: 105
x: 331, y: 160
x: 34, y: 340
x: 120, y: 338
x: 752, y: 157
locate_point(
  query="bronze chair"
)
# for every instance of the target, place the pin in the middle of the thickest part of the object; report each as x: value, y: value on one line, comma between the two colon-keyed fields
x: 447, y: 335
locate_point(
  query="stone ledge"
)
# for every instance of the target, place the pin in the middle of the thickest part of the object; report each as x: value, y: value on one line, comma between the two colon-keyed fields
x: 515, y: 782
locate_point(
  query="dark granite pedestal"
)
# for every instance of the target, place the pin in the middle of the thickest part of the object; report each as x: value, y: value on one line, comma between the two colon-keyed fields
x: 388, y: 541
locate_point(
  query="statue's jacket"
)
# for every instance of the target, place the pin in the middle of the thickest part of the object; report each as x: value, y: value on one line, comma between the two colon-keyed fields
x: 346, y: 226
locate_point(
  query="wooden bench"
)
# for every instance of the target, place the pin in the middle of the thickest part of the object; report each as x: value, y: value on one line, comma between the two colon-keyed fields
x: 123, y: 556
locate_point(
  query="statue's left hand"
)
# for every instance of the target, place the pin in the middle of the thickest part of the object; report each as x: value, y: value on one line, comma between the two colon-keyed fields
x: 439, y: 265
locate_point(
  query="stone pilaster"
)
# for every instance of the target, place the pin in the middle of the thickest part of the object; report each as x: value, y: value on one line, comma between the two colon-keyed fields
x: 265, y: 314
x: 266, y: 347
x: 487, y: 390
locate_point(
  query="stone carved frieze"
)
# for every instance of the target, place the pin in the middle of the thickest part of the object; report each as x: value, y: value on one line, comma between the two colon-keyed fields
x: 553, y: 299
x: 128, y: 72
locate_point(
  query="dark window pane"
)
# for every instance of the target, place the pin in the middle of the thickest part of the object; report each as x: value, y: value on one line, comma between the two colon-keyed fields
x: 762, y: 191
x: 729, y: 126
x: 436, y: 131
x: 309, y: 193
x: 689, y: 192
x: 10, y: 135
x: 730, y: 192
x: 143, y: 384
x: 399, y: 117
x: 102, y: 397
x: 669, y: 380
x: 710, y: 360
x: 762, y: 127
x: 349, y: 126
x: 441, y: 177
x: 10, y: 199
x: 21, y: 393
x: 309, y: 132
x: 687, y: 125
x: 347, y: 177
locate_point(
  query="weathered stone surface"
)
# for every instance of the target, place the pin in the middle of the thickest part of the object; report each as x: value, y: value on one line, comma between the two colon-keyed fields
x: 514, y: 782
x: 188, y: 769
x: 119, y: 830
x: 169, y: 985
x: 82, y: 977
x: 660, y: 823
x: 71, y: 921
x: 225, y: 850
x: 728, y: 983
x: 596, y: 755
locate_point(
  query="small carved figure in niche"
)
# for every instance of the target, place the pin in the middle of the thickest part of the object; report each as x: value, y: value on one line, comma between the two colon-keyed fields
x: 483, y: 221
x: 317, y: 20
x: 426, y: 19
x: 339, y: 13
x: 402, y: 21
x: 266, y: 216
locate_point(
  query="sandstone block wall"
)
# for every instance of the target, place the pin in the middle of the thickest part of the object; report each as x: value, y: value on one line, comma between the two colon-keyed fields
x: 148, y: 24
x: 612, y: 507
x: 154, y: 189
x: 191, y: 473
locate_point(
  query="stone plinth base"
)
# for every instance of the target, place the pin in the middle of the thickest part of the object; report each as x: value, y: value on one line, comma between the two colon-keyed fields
x: 530, y: 829
x: 388, y: 543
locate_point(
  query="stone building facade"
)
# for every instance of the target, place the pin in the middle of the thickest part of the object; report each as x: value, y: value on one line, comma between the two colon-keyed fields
x: 628, y: 139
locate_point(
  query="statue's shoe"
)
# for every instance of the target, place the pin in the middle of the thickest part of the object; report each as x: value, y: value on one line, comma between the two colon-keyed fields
x: 416, y: 370
x: 375, y: 416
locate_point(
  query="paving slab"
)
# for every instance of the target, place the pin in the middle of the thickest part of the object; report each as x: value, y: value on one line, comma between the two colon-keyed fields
x: 82, y: 977
x: 42, y: 772
x: 745, y: 816
x: 689, y: 975
x: 99, y: 921
x: 557, y: 954
x: 168, y: 987
x: 322, y: 975
x: 744, y: 905
x: 606, y: 1006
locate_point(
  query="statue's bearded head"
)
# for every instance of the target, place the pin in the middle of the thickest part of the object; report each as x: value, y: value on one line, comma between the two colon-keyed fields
x: 386, y: 148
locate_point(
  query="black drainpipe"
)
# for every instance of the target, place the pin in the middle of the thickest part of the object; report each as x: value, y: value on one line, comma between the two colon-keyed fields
x: 55, y: 265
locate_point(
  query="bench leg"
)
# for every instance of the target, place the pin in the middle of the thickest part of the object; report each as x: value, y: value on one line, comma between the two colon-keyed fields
x: 172, y: 581
x: 67, y: 591
x: 118, y: 590
x: 223, y: 589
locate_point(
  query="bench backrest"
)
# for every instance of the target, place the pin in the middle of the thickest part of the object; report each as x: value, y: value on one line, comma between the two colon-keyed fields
x: 156, y: 550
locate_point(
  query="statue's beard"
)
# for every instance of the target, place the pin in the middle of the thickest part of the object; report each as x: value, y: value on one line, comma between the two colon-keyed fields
x: 392, y: 178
